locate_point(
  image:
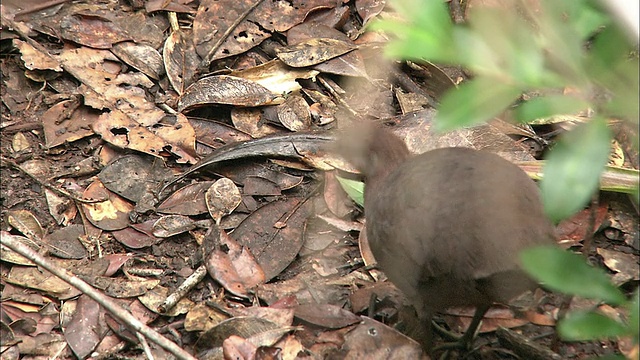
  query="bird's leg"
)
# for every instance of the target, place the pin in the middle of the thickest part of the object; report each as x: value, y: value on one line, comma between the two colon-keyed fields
x: 468, y: 336
x: 465, y: 341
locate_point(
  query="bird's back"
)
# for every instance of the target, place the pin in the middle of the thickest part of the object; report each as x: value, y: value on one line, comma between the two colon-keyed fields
x: 447, y: 226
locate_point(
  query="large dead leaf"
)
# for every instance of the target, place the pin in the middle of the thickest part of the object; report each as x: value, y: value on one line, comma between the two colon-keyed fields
x: 11, y: 256
x: 111, y: 214
x: 156, y: 296
x: 173, y: 137
x: 34, y: 59
x: 294, y: 113
x: 180, y: 59
x: 137, y: 236
x: 222, y: 198
x: 214, y: 17
x: 209, y: 343
x: 188, y: 200
x: 142, y: 57
x: 133, y: 176
x: 250, y: 121
x: 349, y: 64
x: 276, y: 76
x: 225, y: 89
x: 274, y: 233
x: 92, y: 31
x: 240, y: 172
x: 234, y: 266
x: 25, y: 222
x: 65, y: 243
x: 171, y: 225
x: 122, y: 287
x: 34, y: 278
x: 326, y: 315
x: 373, y: 340
x: 67, y: 121
x: 314, y: 51
x: 214, y: 134
x: 85, y: 329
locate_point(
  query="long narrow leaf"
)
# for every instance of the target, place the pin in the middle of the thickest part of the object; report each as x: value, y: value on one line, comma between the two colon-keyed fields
x: 569, y: 273
x: 572, y: 171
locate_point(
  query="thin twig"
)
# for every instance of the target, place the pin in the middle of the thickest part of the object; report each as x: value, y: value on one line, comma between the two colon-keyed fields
x: 108, y: 303
x: 145, y: 346
x: 335, y: 95
x: 208, y: 59
x: 183, y: 289
x: 57, y: 190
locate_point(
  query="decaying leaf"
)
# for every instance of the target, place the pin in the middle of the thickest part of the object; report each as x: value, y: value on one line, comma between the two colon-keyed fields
x: 13, y: 257
x: 34, y: 59
x: 314, y: 51
x: 188, y: 200
x: 222, y: 198
x: 175, y: 137
x: 244, y: 327
x: 171, y: 225
x: 25, y: 222
x: 277, y: 76
x: 67, y: 121
x: 141, y: 56
x: 156, y: 296
x: 234, y: 266
x: 225, y: 89
x: 111, y: 214
x: 180, y: 59
x: 294, y: 113
x: 273, y: 245
x: 93, y: 31
x: 215, y: 17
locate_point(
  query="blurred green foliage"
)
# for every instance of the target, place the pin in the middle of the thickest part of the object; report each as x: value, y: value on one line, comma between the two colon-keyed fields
x: 568, y: 273
x: 561, y: 45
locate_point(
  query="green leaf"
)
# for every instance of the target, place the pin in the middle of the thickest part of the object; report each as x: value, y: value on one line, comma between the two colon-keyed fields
x: 582, y: 326
x: 634, y: 309
x: 355, y: 189
x: 511, y: 53
x: 568, y: 273
x: 474, y: 102
x: 572, y: 171
x: 425, y: 34
x: 611, y: 357
x: 586, y: 20
x: 547, y: 106
x: 608, y: 47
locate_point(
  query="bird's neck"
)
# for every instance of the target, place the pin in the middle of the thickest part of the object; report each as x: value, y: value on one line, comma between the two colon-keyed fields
x: 386, y: 152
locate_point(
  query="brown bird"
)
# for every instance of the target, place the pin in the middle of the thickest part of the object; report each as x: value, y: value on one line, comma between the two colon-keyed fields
x: 446, y: 226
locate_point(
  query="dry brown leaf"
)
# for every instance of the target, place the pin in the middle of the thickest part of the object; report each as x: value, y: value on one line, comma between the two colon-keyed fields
x: 92, y: 31
x: 225, y: 89
x: 34, y: 59
x: 174, y: 138
x: 294, y: 113
x: 215, y: 17
x: 314, y: 51
x: 234, y: 266
x: 275, y: 246
x: 222, y: 198
x: 142, y: 57
x: 111, y: 214
x: 180, y: 59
